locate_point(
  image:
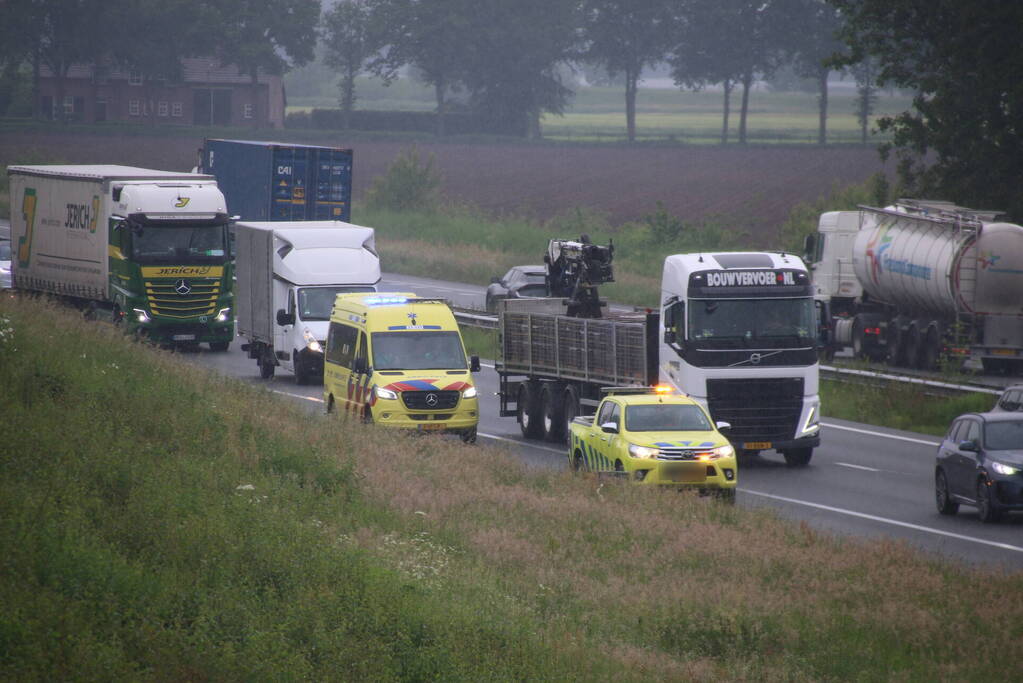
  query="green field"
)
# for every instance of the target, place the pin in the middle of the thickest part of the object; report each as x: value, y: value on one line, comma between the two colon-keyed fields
x: 662, y: 114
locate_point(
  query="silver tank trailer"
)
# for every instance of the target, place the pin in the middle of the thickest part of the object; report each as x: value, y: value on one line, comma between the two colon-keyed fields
x: 925, y: 267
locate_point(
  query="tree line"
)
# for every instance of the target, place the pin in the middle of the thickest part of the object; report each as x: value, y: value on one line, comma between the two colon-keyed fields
x: 503, y: 60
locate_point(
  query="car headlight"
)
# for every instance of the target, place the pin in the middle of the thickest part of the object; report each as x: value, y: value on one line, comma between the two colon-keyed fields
x: 469, y: 393
x: 223, y: 314
x: 1004, y: 469
x: 645, y: 452
x: 385, y: 393
x: 310, y: 342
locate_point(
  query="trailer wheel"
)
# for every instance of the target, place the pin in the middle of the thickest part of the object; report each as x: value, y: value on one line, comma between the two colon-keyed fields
x: 931, y: 351
x: 528, y: 408
x: 914, y: 346
x: 570, y: 409
x: 896, y: 343
x: 553, y: 411
x: 797, y: 457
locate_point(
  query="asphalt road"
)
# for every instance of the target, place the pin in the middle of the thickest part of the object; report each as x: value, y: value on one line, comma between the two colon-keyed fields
x: 863, y: 481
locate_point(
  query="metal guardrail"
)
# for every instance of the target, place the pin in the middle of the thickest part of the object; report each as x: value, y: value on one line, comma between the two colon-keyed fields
x: 476, y: 318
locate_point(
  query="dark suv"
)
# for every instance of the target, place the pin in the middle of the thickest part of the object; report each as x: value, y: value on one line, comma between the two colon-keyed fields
x: 980, y: 463
x: 521, y: 282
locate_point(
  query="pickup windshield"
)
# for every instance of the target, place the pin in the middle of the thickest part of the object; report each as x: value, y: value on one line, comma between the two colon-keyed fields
x: 417, y: 351
x: 746, y: 323
x: 666, y: 417
x: 316, y: 303
x: 179, y: 243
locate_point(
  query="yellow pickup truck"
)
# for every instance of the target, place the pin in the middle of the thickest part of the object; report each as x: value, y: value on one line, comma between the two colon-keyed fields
x: 654, y: 435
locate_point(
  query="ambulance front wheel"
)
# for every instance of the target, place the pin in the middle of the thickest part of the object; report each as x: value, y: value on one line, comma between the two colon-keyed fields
x: 469, y: 435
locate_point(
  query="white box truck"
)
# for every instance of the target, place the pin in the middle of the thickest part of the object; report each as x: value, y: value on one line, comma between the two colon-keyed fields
x: 151, y: 246
x: 289, y: 273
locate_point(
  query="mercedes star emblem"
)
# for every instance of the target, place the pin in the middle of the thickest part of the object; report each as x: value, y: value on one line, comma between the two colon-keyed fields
x: 431, y: 400
x: 182, y: 287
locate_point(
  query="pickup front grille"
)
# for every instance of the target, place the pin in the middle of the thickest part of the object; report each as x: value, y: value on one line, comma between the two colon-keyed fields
x: 420, y: 400
x: 670, y: 453
x: 759, y: 409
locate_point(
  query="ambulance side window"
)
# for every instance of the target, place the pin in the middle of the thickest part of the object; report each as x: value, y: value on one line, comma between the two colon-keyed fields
x: 361, y: 354
x: 341, y: 344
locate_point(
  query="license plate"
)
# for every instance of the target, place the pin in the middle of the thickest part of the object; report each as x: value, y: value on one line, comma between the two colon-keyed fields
x: 688, y: 473
x: 431, y: 428
x: 1003, y: 352
x: 757, y: 445
x: 183, y: 337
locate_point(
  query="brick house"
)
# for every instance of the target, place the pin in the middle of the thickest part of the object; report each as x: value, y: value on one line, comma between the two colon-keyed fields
x: 208, y: 93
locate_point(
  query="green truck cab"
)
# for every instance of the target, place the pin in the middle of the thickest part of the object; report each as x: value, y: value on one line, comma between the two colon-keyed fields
x: 654, y: 435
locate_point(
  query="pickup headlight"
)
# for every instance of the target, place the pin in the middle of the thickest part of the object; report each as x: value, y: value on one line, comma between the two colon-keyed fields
x: 310, y: 342
x: 725, y: 451
x: 644, y: 452
x: 1004, y: 469
x: 385, y: 393
x: 469, y: 393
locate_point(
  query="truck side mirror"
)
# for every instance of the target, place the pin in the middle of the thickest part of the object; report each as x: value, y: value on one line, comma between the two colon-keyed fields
x: 809, y: 245
x: 285, y: 318
x: 669, y: 337
x: 474, y: 363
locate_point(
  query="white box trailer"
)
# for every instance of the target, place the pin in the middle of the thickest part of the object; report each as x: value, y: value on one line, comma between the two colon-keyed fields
x: 289, y: 273
x: 150, y: 245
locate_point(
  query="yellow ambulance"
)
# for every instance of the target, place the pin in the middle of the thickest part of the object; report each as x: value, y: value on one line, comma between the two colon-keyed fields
x: 398, y: 360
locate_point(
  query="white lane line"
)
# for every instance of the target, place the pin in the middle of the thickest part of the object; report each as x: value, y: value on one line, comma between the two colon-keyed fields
x: 304, y: 398
x: 857, y: 467
x: 521, y: 443
x: 873, y: 433
x: 885, y: 520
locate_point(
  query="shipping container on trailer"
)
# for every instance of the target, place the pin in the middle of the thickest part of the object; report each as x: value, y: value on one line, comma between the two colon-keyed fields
x: 276, y: 181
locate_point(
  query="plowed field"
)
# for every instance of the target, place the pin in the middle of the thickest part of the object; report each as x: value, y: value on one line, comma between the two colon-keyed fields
x: 755, y: 187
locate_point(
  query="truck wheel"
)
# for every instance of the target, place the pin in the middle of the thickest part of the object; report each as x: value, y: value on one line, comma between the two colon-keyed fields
x: 266, y: 364
x: 220, y: 347
x: 896, y: 344
x: 914, y: 347
x: 528, y: 409
x: 570, y: 409
x: 552, y: 410
x: 797, y: 457
x: 300, y: 372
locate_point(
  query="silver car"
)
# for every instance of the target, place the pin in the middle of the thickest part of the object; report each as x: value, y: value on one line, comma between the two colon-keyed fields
x: 1011, y: 400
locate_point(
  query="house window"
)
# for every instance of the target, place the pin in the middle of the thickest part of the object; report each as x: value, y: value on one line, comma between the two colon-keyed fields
x: 69, y: 104
x: 175, y: 109
x: 161, y: 109
x: 134, y: 77
x: 248, y: 111
x: 133, y: 107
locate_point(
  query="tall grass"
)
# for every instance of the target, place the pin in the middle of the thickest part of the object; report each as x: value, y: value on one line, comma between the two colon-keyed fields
x: 159, y: 522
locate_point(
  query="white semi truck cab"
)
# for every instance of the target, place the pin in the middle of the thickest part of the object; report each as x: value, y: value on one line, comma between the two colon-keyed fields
x: 739, y: 335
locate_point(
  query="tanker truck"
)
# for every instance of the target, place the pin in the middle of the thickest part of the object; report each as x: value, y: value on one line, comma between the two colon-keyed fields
x: 921, y: 283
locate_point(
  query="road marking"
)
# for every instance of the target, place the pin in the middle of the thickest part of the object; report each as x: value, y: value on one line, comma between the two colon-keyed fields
x: 523, y: 443
x: 885, y: 520
x: 857, y: 467
x: 305, y: 398
x: 873, y: 433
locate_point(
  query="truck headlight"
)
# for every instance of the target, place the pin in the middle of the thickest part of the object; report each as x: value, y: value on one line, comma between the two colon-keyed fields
x: 469, y: 393
x: 1004, y: 469
x: 644, y: 452
x: 310, y: 342
x: 222, y: 315
x: 385, y: 393
x: 812, y: 422
x: 140, y: 315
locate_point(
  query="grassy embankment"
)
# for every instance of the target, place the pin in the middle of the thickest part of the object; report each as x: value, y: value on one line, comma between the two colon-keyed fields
x: 162, y: 523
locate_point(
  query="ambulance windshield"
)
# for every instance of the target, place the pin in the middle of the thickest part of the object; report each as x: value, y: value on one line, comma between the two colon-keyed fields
x: 417, y: 350
x: 316, y: 303
x: 745, y: 323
